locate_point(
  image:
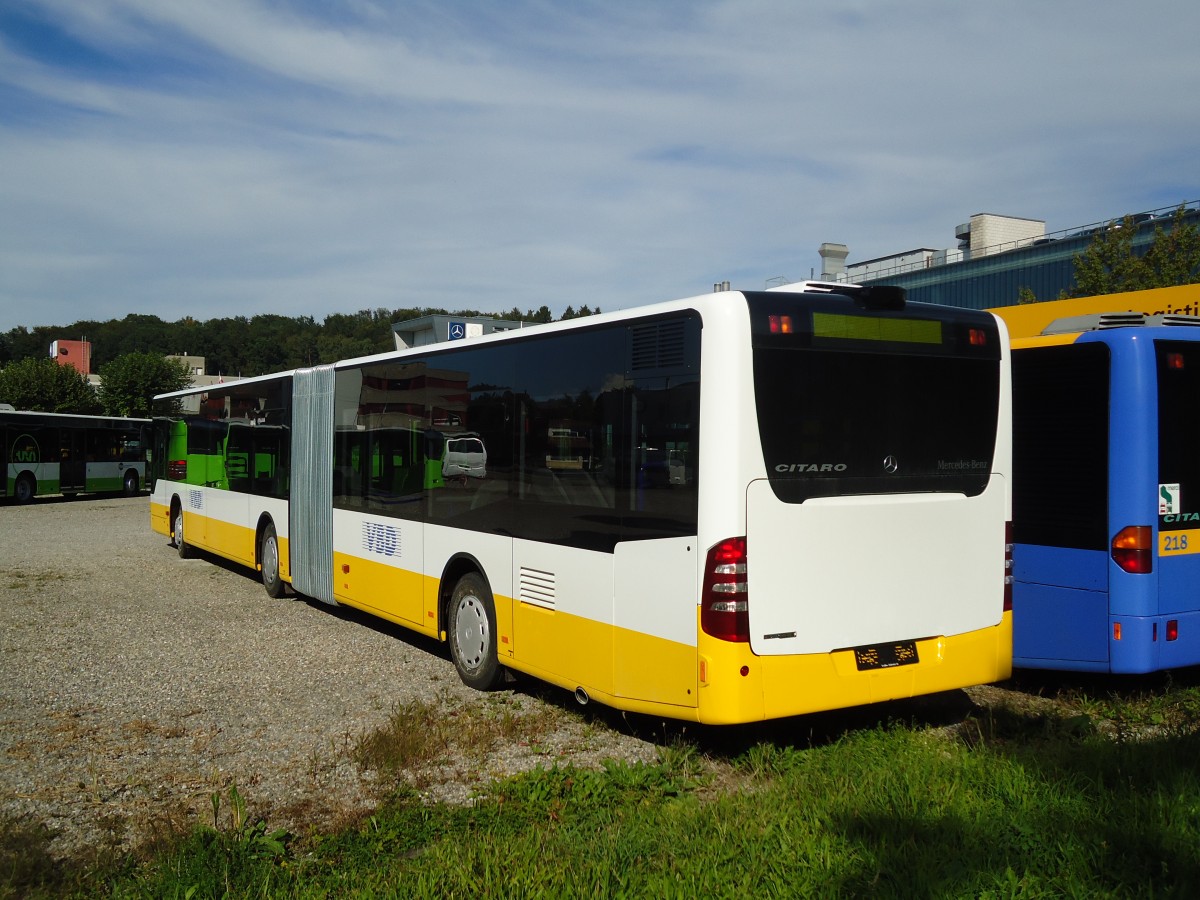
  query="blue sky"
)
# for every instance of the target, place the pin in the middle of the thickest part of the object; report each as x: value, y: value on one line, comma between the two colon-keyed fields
x: 237, y: 157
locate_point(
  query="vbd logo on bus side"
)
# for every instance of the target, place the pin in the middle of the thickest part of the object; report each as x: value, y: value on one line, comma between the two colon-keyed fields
x: 25, y: 450
x: 381, y: 539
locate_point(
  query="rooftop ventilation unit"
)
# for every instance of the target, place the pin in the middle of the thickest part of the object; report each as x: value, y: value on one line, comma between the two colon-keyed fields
x: 1104, y: 321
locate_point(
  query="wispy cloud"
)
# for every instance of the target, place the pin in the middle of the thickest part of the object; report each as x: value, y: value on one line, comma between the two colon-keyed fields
x: 228, y: 158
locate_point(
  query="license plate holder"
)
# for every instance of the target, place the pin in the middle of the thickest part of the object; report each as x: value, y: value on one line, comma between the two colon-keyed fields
x: 886, y: 656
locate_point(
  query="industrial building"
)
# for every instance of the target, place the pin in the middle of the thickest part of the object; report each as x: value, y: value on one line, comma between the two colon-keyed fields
x: 995, y: 258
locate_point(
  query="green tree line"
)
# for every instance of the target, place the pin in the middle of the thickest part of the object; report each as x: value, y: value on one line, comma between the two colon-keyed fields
x: 1112, y: 265
x: 129, y: 354
x: 240, y: 345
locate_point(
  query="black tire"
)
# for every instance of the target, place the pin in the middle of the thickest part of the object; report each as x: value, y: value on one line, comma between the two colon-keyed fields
x: 131, y: 482
x: 181, y: 546
x: 25, y: 489
x: 268, y: 560
x: 472, y: 630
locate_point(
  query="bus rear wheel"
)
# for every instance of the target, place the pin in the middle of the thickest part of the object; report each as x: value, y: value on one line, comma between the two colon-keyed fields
x: 25, y: 489
x: 181, y: 546
x: 131, y: 483
x: 268, y: 559
x: 472, y: 628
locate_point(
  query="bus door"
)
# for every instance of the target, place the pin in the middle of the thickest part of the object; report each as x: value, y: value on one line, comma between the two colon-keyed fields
x: 72, y: 470
x: 159, y: 456
x: 1061, y: 561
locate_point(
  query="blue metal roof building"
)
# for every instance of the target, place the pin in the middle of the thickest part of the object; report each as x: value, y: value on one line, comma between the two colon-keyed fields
x: 986, y: 277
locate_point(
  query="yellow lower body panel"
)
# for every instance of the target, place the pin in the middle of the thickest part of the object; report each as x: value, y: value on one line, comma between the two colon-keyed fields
x: 737, y: 686
x: 395, y: 594
x: 716, y: 682
x: 235, y: 542
x: 160, y: 519
x: 573, y: 647
x: 721, y: 683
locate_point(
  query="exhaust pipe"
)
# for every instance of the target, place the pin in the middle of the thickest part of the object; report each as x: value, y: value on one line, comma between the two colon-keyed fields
x: 581, y: 696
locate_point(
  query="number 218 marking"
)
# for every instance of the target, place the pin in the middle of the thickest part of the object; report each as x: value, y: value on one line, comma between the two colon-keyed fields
x: 1176, y: 543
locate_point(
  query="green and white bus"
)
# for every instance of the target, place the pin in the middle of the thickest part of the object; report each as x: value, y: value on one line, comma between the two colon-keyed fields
x: 55, y: 453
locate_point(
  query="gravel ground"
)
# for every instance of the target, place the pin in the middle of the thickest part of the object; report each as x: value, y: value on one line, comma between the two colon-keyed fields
x: 134, y: 684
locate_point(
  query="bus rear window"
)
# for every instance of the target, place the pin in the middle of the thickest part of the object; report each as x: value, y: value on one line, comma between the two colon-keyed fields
x: 876, y: 403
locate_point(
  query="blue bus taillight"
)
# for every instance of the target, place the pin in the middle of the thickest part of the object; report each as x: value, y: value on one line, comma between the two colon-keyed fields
x: 724, y: 607
x: 1131, y: 549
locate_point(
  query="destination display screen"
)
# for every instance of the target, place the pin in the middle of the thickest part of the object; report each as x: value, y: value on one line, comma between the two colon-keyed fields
x: 873, y: 328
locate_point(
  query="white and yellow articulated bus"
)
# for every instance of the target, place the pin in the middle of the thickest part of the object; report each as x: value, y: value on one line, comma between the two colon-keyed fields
x: 730, y: 508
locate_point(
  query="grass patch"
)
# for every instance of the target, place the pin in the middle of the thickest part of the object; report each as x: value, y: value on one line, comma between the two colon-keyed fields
x: 1014, y: 801
x: 421, y: 736
x: 27, y: 867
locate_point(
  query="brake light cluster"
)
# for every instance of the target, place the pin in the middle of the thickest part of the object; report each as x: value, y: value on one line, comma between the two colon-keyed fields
x: 177, y: 470
x: 724, y: 609
x: 1171, y: 630
x: 1132, y: 549
x: 780, y: 324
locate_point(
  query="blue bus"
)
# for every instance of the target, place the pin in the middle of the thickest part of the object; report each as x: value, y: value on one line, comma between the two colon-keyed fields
x: 1106, y: 493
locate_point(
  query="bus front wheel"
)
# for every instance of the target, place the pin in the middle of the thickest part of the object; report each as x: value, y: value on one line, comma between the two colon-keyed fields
x: 181, y: 545
x: 472, y: 628
x: 268, y: 558
x: 25, y: 489
x: 131, y: 483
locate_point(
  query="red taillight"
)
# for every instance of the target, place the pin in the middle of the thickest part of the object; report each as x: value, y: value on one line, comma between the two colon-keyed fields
x: 1008, y: 566
x: 1174, y: 360
x: 1131, y: 549
x: 724, y: 612
x: 1172, y: 629
x: 177, y: 470
x: 977, y: 337
x: 780, y: 324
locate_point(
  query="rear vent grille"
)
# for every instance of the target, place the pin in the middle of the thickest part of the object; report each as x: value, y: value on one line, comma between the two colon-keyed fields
x: 659, y: 345
x: 1105, y: 321
x: 537, y: 588
x: 1120, y: 320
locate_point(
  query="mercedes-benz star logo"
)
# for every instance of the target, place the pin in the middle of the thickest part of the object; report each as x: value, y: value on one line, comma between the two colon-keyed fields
x: 890, y: 464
